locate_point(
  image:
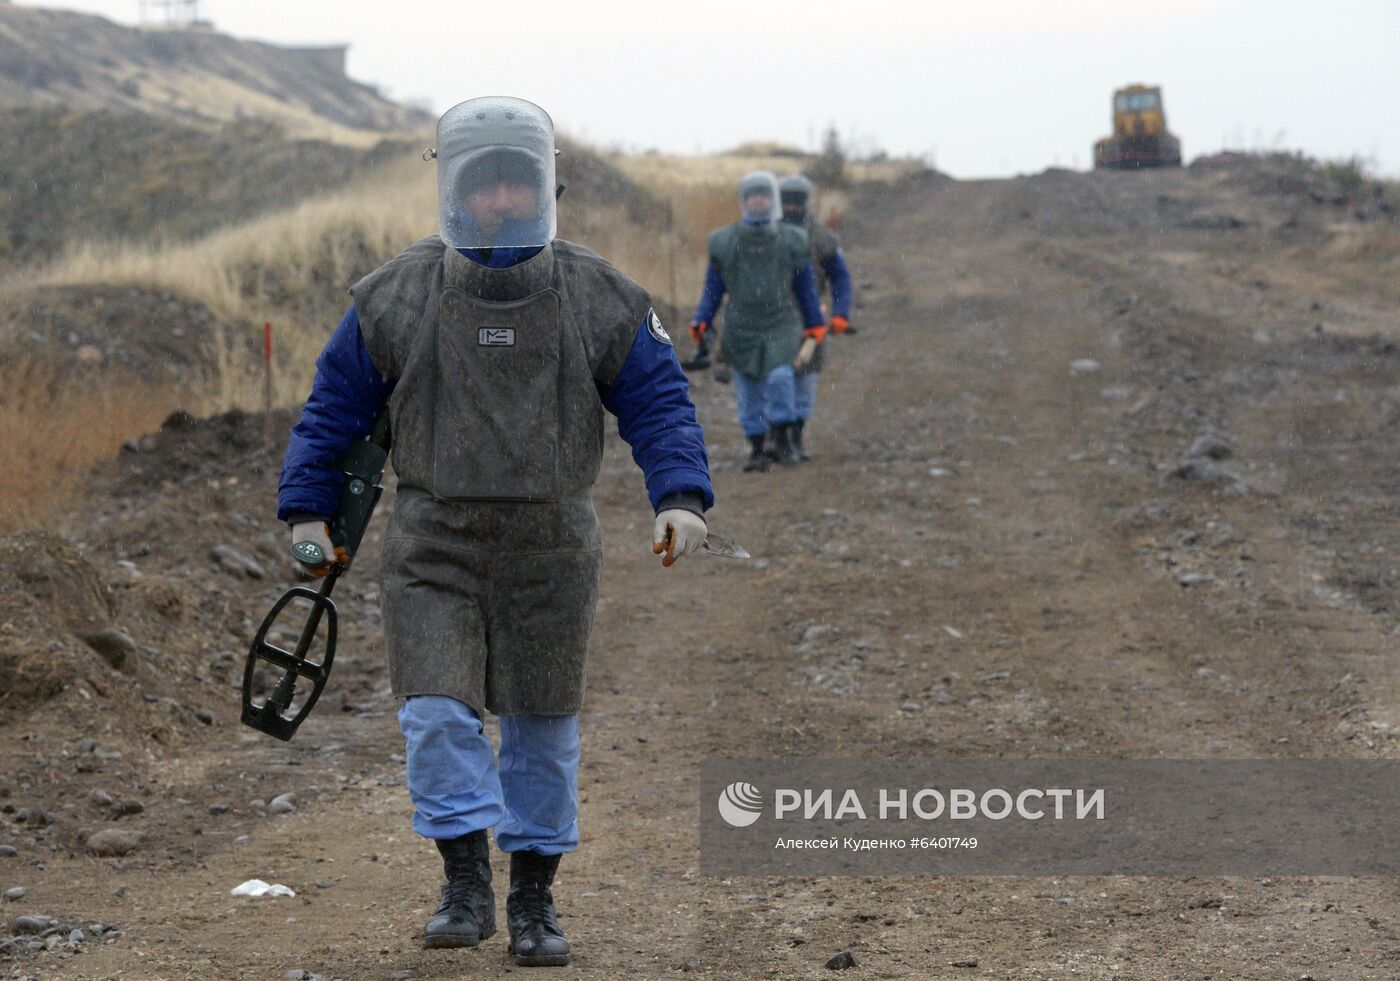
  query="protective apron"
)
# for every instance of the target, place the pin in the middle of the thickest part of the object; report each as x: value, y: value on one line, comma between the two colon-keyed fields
x: 761, y: 323
x: 493, y: 554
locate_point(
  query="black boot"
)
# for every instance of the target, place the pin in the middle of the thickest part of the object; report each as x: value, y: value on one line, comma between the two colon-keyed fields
x: 535, y: 937
x: 783, y: 449
x: 797, y: 428
x: 467, y: 914
x: 758, y: 456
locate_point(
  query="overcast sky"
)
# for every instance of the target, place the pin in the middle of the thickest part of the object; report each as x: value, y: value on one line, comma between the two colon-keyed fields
x: 985, y: 88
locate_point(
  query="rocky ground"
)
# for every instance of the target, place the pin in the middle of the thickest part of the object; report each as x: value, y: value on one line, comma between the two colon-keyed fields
x: 1106, y: 473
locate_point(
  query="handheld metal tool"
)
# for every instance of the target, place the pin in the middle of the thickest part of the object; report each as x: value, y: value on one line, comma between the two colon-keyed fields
x: 725, y: 548
x: 701, y: 359
x: 363, y: 466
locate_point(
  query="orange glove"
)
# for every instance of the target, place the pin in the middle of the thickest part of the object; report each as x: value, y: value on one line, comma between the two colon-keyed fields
x: 697, y: 331
x: 817, y: 334
x: 840, y: 324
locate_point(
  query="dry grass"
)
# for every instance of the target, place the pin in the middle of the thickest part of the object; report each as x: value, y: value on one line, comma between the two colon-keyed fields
x: 1371, y: 242
x: 703, y: 189
x: 291, y: 269
x: 669, y: 262
x: 46, y: 451
x: 702, y: 192
x: 1360, y: 260
x: 653, y: 168
x: 206, y: 95
x: 268, y: 268
x: 242, y: 272
x: 716, y: 178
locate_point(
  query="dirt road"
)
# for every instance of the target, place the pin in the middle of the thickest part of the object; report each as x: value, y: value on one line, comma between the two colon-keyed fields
x: 992, y: 554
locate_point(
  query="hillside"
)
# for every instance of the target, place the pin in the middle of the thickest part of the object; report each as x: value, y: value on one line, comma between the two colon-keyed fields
x: 196, y: 77
x: 166, y: 134
x: 123, y: 174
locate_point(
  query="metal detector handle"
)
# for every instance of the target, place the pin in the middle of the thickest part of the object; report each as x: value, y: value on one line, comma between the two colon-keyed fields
x: 309, y: 554
x: 313, y: 555
x: 363, y: 465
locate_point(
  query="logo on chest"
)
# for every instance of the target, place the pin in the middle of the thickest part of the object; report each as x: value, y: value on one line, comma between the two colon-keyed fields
x: 495, y: 337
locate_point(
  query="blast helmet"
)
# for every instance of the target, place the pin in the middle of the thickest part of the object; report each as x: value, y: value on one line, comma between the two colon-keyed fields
x: 758, y: 199
x: 796, y: 194
x: 495, y: 174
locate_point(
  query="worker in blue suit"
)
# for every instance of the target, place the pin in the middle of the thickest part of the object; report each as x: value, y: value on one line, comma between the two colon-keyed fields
x: 829, y: 266
x: 496, y: 349
x: 761, y: 272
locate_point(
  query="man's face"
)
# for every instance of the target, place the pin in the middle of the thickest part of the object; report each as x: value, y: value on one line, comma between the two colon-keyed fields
x: 758, y: 205
x: 494, y: 204
x: 794, y: 212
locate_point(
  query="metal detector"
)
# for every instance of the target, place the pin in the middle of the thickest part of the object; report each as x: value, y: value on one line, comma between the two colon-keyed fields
x: 363, y: 466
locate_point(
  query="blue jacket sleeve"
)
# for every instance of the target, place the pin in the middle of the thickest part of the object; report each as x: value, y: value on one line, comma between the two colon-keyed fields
x: 711, y: 296
x: 651, y: 399
x: 346, y: 396
x: 804, y: 287
x: 840, y: 279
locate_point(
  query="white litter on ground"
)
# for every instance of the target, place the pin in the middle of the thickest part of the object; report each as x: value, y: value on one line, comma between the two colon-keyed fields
x: 256, y: 887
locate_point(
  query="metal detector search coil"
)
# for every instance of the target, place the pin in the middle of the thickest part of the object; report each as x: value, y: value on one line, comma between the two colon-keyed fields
x: 272, y: 716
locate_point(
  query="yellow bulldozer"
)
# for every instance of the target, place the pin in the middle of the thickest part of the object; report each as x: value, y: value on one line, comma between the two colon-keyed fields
x: 1140, y: 136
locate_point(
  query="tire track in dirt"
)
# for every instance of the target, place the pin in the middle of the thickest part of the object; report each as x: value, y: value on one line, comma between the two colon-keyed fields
x: 1038, y: 511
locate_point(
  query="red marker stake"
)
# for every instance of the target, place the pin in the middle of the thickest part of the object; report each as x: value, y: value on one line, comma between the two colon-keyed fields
x: 267, y: 379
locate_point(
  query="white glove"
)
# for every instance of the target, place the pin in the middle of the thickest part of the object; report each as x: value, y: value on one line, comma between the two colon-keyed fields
x: 678, y: 532
x: 805, y: 353
x: 318, y: 533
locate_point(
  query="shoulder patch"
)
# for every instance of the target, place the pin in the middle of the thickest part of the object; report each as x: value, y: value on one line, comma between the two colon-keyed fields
x: 655, y: 329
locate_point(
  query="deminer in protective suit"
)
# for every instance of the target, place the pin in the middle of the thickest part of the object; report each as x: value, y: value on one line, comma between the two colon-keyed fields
x: 496, y: 347
x: 829, y: 266
x: 762, y: 264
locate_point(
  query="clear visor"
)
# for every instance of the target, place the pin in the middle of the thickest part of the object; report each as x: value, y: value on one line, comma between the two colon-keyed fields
x: 496, y: 178
x: 758, y: 199
x: 795, y: 194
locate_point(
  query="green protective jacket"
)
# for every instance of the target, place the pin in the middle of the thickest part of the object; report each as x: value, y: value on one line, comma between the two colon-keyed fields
x: 761, y: 326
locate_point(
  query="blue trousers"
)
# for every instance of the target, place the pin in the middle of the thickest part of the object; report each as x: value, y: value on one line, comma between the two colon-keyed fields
x: 806, y: 394
x: 531, y: 798
x: 766, y: 402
